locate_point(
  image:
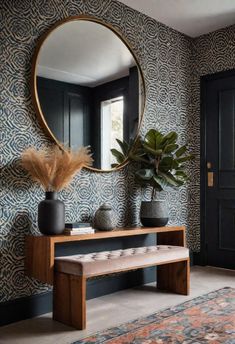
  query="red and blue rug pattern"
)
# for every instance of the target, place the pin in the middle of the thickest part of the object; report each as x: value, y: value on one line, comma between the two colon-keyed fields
x: 206, y: 319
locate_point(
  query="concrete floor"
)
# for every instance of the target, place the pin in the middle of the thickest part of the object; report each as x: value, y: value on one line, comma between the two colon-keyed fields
x: 114, y: 309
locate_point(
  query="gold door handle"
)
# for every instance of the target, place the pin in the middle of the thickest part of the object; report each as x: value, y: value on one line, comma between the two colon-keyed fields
x: 210, y: 179
x: 210, y: 175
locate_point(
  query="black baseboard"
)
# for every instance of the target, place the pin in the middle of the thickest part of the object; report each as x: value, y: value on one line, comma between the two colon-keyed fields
x: 192, y: 260
x: 25, y: 307
x: 32, y: 306
x: 199, y: 259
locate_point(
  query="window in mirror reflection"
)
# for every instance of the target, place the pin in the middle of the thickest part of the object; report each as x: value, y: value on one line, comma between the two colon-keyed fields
x: 111, y: 129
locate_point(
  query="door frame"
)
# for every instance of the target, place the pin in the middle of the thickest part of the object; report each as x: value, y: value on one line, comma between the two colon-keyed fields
x: 201, y: 258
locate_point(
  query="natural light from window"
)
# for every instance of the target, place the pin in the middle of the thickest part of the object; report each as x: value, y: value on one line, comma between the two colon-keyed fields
x: 111, y: 129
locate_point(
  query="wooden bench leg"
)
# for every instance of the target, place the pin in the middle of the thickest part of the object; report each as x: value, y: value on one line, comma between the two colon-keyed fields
x: 69, y: 300
x: 174, y: 277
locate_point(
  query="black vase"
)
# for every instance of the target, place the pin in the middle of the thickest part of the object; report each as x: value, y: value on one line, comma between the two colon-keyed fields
x: 51, y: 215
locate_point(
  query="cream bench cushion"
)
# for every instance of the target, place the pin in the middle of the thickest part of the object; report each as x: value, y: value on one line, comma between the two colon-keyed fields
x: 107, y: 262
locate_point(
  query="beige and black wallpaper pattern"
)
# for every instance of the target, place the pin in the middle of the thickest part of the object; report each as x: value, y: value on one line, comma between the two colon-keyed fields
x: 171, y: 63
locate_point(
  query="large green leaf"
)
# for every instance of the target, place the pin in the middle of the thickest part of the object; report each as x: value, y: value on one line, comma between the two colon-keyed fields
x: 118, y: 155
x: 181, y: 175
x: 161, y: 181
x: 166, y: 164
x: 181, y: 151
x: 170, y: 138
x: 152, y: 151
x: 137, y: 151
x: 169, y: 178
x: 157, y: 183
x: 175, y: 164
x: 153, y: 139
x: 135, y: 144
x: 139, y: 157
x: 145, y: 173
x: 169, y: 148
x: 180, y: 182
x: 124, y: 146
x: 185, y: 158
x: 142, y: 182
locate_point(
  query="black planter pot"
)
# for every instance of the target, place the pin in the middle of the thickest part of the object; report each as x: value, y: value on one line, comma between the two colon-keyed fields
x: 51, y: 215
x: 153, y: 214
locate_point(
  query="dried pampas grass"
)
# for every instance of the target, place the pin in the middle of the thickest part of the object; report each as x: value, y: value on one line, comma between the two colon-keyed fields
x: 54, y: 168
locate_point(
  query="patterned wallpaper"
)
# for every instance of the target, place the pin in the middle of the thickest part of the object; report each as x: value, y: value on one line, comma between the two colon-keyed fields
x: 166, y: 59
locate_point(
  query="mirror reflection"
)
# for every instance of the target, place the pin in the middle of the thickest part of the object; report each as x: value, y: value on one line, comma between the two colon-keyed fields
x: 89, y: 88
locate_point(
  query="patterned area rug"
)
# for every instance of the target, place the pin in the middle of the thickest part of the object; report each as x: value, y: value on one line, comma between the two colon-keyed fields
x: 206, y: 319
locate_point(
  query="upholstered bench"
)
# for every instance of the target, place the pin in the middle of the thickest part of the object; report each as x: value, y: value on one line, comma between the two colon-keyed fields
x: 71, y: 273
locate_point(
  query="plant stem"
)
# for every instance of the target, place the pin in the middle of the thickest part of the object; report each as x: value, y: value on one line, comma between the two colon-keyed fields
x: 157, y: 162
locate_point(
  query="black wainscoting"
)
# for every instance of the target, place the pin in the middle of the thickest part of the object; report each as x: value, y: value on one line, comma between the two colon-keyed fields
x: 25, y: 307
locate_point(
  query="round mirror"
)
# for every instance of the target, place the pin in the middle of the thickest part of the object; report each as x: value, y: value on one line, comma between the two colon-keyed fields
x: 88, y: 87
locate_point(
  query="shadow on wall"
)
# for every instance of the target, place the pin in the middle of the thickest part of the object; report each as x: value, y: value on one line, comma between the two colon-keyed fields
x: 17, y: 219
x: 12, y: 247
x: 17, y: 202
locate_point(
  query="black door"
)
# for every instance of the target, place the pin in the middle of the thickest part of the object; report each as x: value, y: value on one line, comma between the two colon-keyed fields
x: 218, y: 112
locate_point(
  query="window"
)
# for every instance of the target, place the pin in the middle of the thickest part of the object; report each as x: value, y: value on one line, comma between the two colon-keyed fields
x: 111, y: 129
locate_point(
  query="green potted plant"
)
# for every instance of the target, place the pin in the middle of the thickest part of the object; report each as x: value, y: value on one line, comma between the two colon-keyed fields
x: 162, y: 163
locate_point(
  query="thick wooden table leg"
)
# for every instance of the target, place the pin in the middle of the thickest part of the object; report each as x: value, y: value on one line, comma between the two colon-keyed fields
x: 39, y: 258
x: 69, y: 300
x: 174, y: 277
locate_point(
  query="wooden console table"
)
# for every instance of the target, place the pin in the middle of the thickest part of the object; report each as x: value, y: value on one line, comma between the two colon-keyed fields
x: 40, y: 250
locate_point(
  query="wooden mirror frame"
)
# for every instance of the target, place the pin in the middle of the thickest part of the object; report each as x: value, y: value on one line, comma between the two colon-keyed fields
x: 34, y: 92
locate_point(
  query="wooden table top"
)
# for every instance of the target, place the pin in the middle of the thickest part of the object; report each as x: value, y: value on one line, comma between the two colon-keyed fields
x: 118, y: 232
